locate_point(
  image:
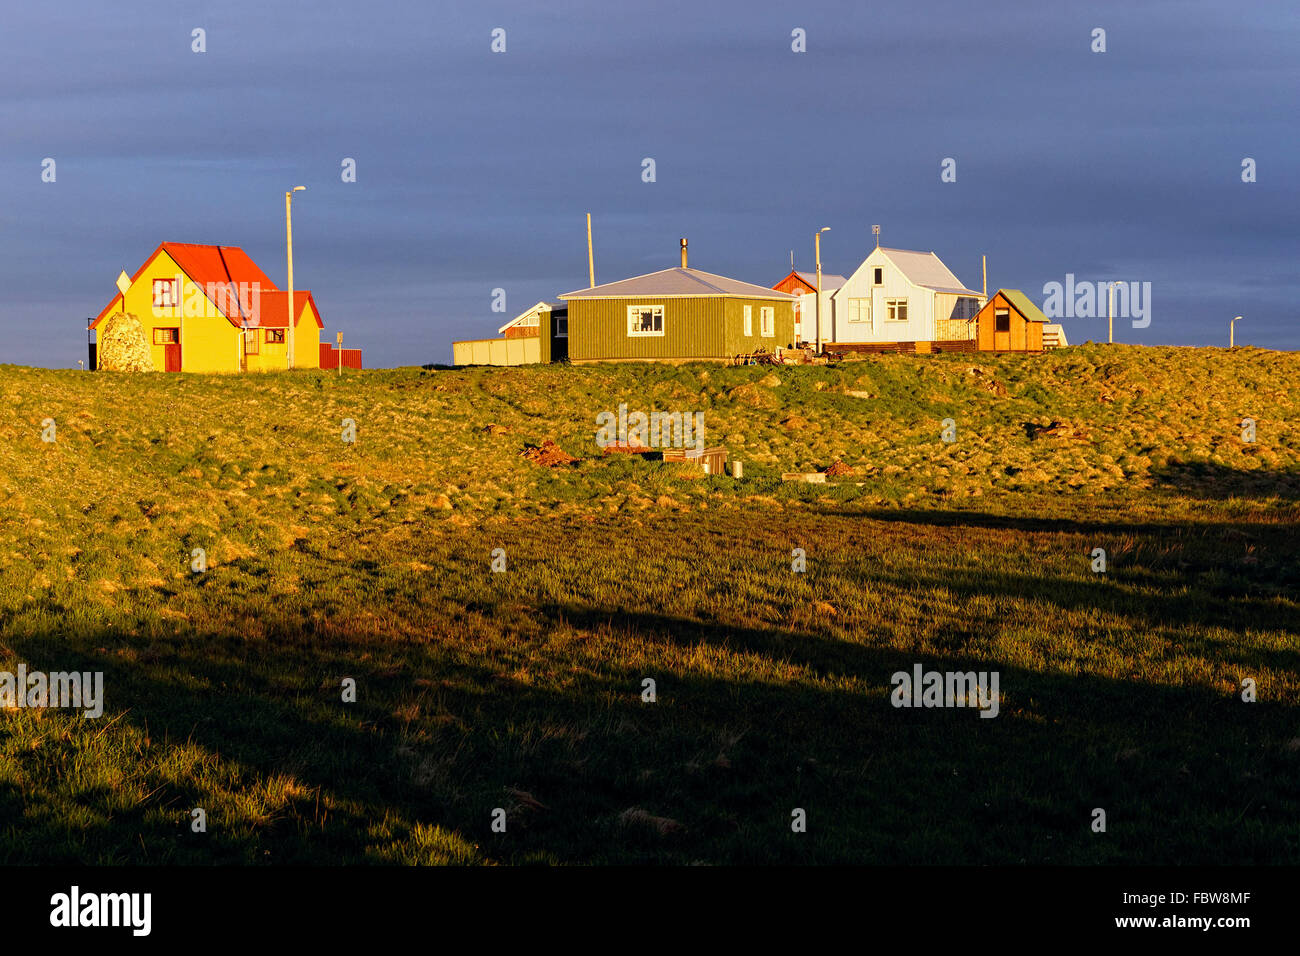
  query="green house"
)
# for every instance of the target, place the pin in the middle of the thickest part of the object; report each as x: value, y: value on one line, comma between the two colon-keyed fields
x: 677, y: 315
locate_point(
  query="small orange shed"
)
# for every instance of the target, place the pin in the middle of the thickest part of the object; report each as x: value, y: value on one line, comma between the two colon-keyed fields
x: 1010, y: 322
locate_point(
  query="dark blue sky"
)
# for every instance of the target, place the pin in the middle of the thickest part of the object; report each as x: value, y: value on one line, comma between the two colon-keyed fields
x: 475, y: 169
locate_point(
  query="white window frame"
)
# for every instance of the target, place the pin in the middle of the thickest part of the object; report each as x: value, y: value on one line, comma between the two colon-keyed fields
x: 767, y: 321
x: 892, y: 308
x: 874, y: 281
x: 637, y: 310
x: 749, y: 320
x: 561, y: 320
x: 860, y: 306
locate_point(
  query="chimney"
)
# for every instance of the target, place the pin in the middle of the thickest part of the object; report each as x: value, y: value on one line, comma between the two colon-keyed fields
x: 683, y: 253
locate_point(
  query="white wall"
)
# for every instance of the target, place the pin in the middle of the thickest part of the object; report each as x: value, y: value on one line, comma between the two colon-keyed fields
x: 919, y: 326
x: 806, y: 317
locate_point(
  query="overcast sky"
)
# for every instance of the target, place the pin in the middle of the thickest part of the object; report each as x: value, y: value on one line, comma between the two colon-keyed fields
x: 475, y: 169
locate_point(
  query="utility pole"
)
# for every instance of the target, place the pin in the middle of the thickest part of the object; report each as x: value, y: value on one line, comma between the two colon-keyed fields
x: 817, y: 242
x: 591, y: 261
x: 288, y: 241
x: 1110, y: 311
x: 1232, y: 332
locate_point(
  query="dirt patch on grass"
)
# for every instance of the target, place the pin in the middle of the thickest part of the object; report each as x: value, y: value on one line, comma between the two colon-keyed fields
x: 548, y: 454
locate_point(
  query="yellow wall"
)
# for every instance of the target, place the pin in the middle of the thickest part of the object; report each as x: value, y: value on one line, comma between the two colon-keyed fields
x: 209, y: 343
x: 306, y: 339
x: 274, y: 356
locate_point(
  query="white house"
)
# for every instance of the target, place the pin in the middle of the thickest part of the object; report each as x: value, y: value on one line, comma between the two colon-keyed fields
x: 896, y: 295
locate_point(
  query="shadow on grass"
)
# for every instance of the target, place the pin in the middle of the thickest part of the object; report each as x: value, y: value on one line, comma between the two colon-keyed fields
x: 1204, y: 479
x: 765, y: 720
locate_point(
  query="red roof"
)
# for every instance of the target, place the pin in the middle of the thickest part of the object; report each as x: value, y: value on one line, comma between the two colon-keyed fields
x: 273, y: 315
x: 219, y: 266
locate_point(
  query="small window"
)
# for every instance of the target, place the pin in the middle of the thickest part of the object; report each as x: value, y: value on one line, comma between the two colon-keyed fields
x: 860, y: 310
x: 878, y: 275
x: 1002, y: 320
x: 561, y: 326
x: 767, y: 318
x: 645, y: 320
x: 896, y: 310
x: 749, y: 320
x: 250, y: 342
x: 275, y: 336
x: 164, y: 293
x: 166, y: 336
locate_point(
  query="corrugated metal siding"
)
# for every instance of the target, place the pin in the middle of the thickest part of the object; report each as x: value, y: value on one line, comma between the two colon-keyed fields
x: 737, y: 342
x: 693, y: 328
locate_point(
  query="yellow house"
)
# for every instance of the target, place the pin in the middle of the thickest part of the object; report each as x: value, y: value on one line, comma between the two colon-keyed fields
x: 211, y: 309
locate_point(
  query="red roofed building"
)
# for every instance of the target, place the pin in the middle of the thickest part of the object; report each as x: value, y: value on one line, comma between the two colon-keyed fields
x: 211, y: 309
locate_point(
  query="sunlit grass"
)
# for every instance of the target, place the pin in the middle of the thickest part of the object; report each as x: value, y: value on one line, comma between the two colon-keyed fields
x: 522, y: 690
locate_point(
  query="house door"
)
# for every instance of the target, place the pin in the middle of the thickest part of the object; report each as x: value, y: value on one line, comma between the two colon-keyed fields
x: 1002, y: 330
x: 170, y: 340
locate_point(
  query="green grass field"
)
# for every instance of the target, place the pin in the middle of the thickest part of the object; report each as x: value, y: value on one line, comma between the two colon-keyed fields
x: 522, y: 689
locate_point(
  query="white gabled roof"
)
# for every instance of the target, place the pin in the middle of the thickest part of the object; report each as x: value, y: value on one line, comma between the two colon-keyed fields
x: 540, y: 307
x: 926, y: 270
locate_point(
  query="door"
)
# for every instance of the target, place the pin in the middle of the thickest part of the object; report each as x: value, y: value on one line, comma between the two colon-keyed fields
x: 170, y: 340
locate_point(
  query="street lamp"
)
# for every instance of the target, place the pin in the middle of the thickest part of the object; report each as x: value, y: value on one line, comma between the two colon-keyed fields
x: 1232, y: 329
x: 817, y: 242
x: 1110, y: 311
x: 288, y: 240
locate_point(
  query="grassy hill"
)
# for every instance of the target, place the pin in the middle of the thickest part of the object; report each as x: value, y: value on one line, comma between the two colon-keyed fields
x: 522, y: 689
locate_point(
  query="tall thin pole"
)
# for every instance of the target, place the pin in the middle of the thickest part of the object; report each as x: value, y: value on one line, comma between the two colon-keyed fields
x: 288, y: 244
x: 1110, y: 316
x: 985, y: 260
x: 1110, y: 311
x: 817, y: 241
x: 591, y: 260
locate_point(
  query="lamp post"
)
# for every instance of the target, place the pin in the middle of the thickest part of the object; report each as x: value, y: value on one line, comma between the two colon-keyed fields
x: 817, y: 243
x: 288, y: 241
x: 1232, y: 329
x: 1110, y: 311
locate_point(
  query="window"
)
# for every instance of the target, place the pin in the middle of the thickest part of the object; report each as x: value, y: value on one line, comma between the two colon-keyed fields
x: 250, y: 342
x: 164, y: 293
x: 878, y: 275
x: 645, y: 320
x: 275, y: 336
x: 767, y: 319
x: 1002, y: 320
x: 561, y: 326
x: 749, y: 320
x: 896, y: 310
x: 166, y: 336
x: 860, y: 310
